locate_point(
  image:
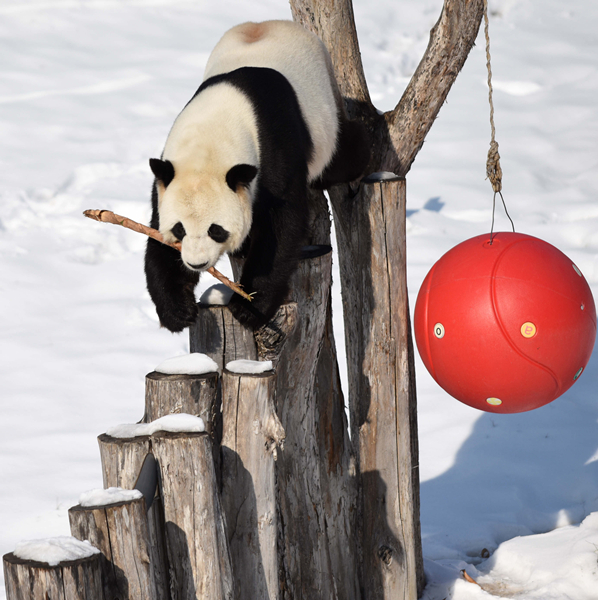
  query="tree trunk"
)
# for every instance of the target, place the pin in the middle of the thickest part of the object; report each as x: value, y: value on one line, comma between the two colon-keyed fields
x: 73, y: 580
x: 306, y: 543
x: 120, y: 532
x: 396, y: 138
x: 383, y: 417
x: 219, y: 335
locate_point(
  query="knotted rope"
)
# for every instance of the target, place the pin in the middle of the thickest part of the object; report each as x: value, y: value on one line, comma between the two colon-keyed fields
x: 493, y: 169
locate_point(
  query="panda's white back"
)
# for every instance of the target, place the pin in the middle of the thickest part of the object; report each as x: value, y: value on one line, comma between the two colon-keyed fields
x: 302, y: 58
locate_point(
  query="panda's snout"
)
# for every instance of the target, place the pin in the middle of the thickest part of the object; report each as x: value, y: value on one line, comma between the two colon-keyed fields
x: 197, y: 267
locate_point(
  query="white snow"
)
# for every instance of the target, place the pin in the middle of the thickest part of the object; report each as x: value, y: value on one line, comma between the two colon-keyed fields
x: 217, y: 295
x: 105, y: 497
x: 250, y: 367
x: 53, y: 551
x: 89, y: 91
x: 173, y: 423
x: 195, y: 363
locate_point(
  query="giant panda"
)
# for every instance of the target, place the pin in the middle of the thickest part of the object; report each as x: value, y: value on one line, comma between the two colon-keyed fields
x: 266, y: 123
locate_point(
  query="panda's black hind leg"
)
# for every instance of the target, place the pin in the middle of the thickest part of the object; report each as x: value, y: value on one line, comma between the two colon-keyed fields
x: 351, y: 157
x: 277, y: 235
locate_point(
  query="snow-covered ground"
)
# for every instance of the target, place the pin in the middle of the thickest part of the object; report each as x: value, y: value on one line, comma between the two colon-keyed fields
x: 88, y: 91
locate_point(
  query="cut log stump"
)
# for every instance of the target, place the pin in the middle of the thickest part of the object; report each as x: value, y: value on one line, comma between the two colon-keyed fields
x: 252, y: 433
x: 69, y: 580
x: 120, y: 531
x: 195, y: 532
x: 122, y: 461
x: 219, y: 335
x: 190, y: 394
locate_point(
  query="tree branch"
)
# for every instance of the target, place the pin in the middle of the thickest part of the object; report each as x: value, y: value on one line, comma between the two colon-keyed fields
x: 398, y: 135
x: 451, y: 39
x: 107, y: 216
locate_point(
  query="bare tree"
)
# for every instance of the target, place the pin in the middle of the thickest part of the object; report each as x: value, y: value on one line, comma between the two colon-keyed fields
x: 370, y: 227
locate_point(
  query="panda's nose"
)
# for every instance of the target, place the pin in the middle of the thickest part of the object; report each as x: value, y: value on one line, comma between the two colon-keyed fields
x: 198, y: 267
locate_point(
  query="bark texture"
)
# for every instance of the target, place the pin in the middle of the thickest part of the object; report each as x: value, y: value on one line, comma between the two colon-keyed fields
x: 122, y: 460
x: 251, y: 440
x: 194, y: 526
x: 383, y: 415
x: 120, y: 531
x: 190, y: 394
x: 72, y: 580
x: 219, y: 335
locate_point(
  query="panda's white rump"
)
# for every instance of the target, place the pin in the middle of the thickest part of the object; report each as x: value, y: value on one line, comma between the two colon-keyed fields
x: 302, y: 58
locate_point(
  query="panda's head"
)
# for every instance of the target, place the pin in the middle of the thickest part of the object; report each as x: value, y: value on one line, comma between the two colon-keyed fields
x: 208, y: 212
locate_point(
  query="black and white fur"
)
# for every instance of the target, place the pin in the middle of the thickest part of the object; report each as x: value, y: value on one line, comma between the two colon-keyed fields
x: 267, y: 122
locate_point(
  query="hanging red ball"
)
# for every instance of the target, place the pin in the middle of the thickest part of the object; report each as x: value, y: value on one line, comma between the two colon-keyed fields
x: 506, y: 325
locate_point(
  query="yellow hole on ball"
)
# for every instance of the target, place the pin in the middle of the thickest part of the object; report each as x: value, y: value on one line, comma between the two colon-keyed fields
x: 494, y: 401
x: 528, y: 330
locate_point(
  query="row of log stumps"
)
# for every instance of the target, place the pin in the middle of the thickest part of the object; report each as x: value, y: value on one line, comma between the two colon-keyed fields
x: 271, y: 501
x: 211, y: 529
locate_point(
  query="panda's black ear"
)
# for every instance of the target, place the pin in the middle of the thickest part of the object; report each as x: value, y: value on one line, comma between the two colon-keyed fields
x: 162, y: 169
x: 240, y: 175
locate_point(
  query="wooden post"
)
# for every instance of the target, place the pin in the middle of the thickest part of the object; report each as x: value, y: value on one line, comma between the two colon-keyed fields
x: 120, y: 531
x: 122, y: 460
x: 219, y: 335
x: 252, y: 433
x: 69, y: 580
x: 195, y: 533
x: 317, y: 552
x: 309, y: 548
x: 190, y: 394
x: 337, y: 470
x: 383, y: 408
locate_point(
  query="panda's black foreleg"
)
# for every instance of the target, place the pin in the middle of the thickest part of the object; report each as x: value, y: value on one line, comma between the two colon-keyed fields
x: 277, y: 236
x: 171, y: 286
x: 169, y: 283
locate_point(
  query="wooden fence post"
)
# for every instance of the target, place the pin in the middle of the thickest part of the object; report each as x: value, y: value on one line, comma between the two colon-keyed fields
x: 69, y: 580
x: 120, y: 531
x: 252, y: 433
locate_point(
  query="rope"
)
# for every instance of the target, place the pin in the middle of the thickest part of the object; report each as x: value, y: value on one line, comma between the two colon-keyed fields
x: 493, y: 170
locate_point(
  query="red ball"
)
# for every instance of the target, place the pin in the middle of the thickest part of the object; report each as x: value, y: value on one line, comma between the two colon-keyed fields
x: 506, y: 326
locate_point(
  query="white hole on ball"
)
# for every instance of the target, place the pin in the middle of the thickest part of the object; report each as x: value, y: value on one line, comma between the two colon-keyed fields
x: 439, y: 330
x: 576, y: 269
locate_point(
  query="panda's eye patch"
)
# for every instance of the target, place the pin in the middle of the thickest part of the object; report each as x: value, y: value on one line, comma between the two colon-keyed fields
x: 178, y: 231
x: 218, y: 234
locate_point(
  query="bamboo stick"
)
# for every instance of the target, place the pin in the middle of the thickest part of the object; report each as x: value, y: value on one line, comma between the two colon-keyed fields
x: 107, y: 216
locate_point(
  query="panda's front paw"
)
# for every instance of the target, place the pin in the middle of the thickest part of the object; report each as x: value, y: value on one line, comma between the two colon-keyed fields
x: 178, y: 313
x: 247, y: 313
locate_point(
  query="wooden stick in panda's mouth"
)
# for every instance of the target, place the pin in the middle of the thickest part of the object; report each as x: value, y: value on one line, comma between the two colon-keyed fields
x: 107, y: 216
